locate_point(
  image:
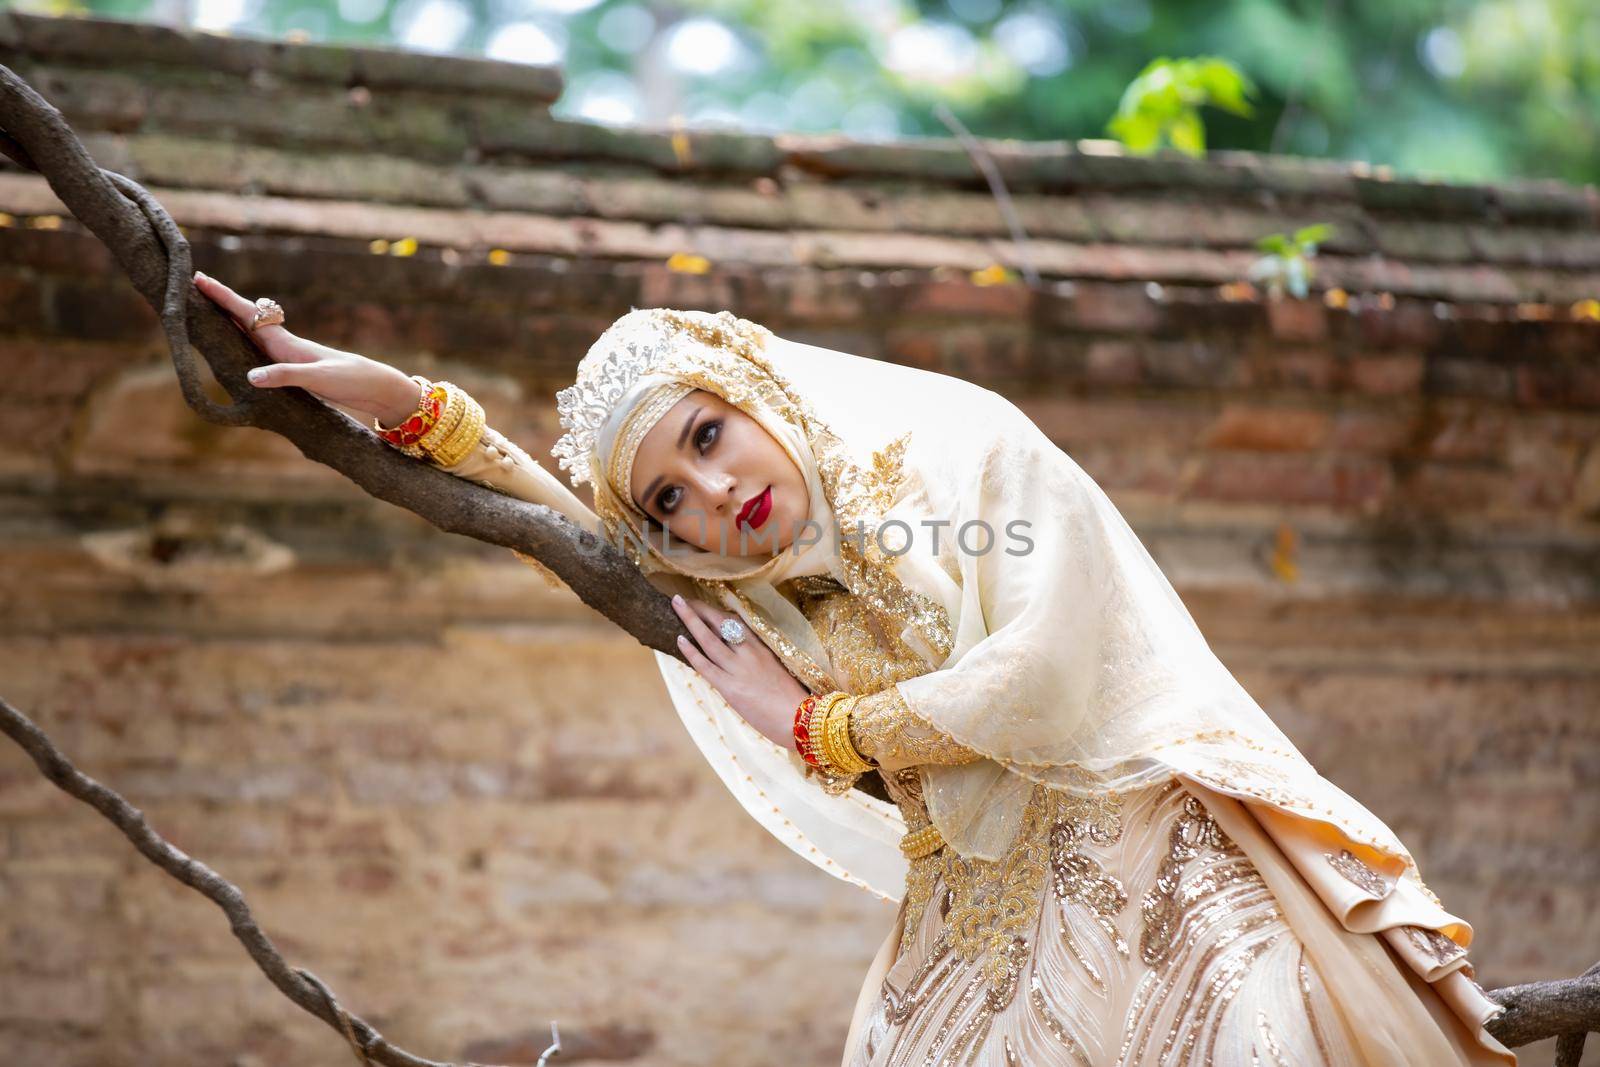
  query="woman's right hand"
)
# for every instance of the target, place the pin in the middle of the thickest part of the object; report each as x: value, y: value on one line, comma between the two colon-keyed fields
x: 342, y: 378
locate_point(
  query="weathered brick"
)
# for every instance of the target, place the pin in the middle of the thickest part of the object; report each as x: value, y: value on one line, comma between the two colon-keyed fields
x: 1453, y: 488
x: 1113, y: 363
x: 1451, y: 377
x: 1190, y: 364
x: 1267, y: 429
x: 606, y: 1041
x: 1109, y: 309
x: 1380, y: 432
x: 982, y: 354
x: 1345, y: 483
x: 1463, y: 432
x: 1390, y: 375
x: 1552, y: 385
x: 1304, y: 367
x: 961, y: 297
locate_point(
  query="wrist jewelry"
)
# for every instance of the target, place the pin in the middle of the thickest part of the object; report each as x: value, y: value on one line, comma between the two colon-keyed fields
x: 924, y: 842
x: 408, y: 431
x: 837, y: 750
x: 804, y: 743
x: 444, y: 428
x: 455, y: 406
x: 463, y: 437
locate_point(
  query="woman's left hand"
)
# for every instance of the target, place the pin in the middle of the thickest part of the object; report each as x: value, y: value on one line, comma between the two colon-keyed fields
x: 748, y: 675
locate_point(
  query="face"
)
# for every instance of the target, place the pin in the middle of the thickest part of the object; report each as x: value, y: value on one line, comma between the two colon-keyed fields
x: 717, y: 480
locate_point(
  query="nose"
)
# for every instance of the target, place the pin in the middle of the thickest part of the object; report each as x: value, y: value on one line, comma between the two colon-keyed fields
x: 718, y: 488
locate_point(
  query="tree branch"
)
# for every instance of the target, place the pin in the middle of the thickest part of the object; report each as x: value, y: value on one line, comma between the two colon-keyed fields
x: 298, y: 984
x: 1567, y: 1008
x: 148, y: 246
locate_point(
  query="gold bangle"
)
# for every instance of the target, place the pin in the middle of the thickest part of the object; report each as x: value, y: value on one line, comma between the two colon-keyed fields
x: 837, y: 749
x: 819, y: 710
x: 924, y: 842
x: 454, y: 448
x: 455, y: 407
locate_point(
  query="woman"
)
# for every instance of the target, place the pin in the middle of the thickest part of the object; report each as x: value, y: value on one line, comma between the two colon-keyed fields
x: 1104, y: 851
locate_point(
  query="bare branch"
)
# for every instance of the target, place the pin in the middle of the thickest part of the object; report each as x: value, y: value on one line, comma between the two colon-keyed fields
x: 997, y: 188
x: 298, y: 984
x: 1566, y: 1008
x: 128, y: 220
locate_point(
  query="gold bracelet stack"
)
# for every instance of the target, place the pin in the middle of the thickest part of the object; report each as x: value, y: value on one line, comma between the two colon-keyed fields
x: 919, y: 843
x: 832, y: 733
x: 453, y: 426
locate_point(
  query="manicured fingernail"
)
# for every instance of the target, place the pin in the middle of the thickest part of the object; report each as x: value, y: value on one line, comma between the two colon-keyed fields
x: 677, y: 600
x: 682, y: 640
x: 257, y: 373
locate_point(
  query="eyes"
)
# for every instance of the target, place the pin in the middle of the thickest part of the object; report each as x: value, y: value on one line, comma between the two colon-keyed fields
x: 704, y: 437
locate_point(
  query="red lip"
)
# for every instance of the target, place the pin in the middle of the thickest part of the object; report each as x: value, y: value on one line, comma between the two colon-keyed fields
x: 756, y: 509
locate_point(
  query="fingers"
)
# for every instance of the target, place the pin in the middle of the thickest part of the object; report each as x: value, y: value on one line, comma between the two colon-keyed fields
x: 711, y: 644
x: 704, y: 667
x: 277, y: 375
x: 242, y: 311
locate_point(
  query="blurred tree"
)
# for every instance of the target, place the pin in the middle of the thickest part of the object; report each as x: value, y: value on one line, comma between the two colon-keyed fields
x: 1467, y: 89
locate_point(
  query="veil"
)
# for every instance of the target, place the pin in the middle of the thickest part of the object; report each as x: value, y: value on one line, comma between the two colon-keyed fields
x: 1056, y: 646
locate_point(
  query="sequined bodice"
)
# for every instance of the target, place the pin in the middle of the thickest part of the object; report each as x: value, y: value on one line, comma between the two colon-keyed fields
x: 868, y: 657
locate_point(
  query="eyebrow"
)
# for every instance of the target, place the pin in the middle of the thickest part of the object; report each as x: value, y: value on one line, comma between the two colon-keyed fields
x: 650, y: 489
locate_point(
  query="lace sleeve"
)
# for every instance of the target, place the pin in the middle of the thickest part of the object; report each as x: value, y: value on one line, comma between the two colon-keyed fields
x: 885, y: 730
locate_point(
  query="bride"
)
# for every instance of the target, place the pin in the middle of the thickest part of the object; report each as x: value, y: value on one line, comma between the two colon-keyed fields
x: 1105, y: 852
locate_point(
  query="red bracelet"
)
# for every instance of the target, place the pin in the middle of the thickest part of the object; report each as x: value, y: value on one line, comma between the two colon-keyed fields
x: 802, y: 731
x: 416, y: 425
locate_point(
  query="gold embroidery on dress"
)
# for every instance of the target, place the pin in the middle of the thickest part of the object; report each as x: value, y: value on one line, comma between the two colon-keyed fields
x: 1437, y: 945
x: 899, y: 1008
x: 884, y: 729
x: 1357, y: 873
x: 1054, y: 1025
x: 859, y: 498
x: 1079, y: 878
x: 1223, y: 919
x: 870, y: 658
x: 1193, y: 829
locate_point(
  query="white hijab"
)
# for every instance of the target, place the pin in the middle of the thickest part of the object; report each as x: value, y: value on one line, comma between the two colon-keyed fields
x: 1062, y: 653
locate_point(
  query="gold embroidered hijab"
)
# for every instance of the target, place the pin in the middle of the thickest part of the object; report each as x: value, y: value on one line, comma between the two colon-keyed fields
x: 1055, y: 645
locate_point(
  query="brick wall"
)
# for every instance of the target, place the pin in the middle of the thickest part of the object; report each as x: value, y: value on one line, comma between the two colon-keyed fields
x: 461, y: 798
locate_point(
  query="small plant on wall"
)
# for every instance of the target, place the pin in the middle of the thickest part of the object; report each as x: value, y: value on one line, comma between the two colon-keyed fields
x: 1287, y: 264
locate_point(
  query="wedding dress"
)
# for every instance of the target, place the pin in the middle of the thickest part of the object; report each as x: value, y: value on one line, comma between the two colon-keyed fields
x: 1103, y: 849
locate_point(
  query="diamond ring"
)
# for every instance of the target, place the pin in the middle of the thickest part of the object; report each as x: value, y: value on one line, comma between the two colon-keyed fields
x: 732, y: 631
x: 268, y: 313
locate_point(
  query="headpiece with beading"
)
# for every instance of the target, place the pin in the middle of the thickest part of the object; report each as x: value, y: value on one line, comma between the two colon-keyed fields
x: 613, y: 363
x: 637, y: 343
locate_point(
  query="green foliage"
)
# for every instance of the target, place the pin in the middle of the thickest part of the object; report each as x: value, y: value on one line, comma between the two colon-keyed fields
x: 1459, y: 89
x: 1162, y: 105
x: 1287, y: 264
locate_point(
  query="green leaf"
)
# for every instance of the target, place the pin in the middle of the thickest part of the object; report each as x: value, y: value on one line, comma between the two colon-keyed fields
x: 1314, y: 234
x: 1188, y: 134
